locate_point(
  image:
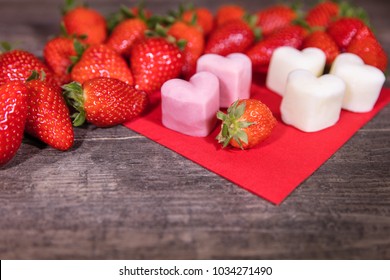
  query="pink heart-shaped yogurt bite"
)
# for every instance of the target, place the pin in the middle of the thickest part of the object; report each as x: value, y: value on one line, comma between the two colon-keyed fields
x: 234, y: 73
x: 190, y: 107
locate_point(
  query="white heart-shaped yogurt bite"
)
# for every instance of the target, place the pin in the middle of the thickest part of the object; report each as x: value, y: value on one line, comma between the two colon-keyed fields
x: 190, y: 107
x: 311, y: 103
x: 287, y: 59
x: 364, y: 82
x: 234, y: 73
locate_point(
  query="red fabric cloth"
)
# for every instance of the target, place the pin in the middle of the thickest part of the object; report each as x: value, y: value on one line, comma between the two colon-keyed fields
x: 271, y: 170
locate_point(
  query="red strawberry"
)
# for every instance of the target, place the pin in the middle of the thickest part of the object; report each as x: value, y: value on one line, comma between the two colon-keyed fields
x: 322, y: 40
x: 326, y: 12
x: 13, y: 114
x: 154, y: 61
x: 322, y: 14
x: 247, y: 123
x: 83, y: 21
x: 274, y: 17
x: 48, y: 116
x: 194, y: 45
x: 231, y: 37
x: 343, y: 30
x: 57, y: 54
x: 125, y: 34
x: 228, y: 12
x: 203, y: 17
x: 365, y: 45
x: 101, y: 61
x: 128, y: 13
x: 260, y: 54
x: 105, y: 102
x: 17, y: 65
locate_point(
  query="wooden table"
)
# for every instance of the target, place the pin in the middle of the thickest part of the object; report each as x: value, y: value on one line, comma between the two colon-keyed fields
x: 118, y: 195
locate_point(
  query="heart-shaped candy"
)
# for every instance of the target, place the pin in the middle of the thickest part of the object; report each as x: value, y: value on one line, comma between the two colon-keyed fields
x: 364, y: 82
x: 311, y: 103
x: 234, y: 73
x: 190, y: 107
x: 287, y: 59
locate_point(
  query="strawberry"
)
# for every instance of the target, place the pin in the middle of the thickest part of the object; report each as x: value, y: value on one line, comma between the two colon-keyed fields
x: 17, y: 65
x: 231, y: 37
x: 48, y: 117
x: 274, y: 17
x: 105, y: 102
x: 101, y: 61
x: 247, y: 123
x: 203, y: 18
x: 125, y: 34
x: 260, y: 54
x: 326, y: 12
x: 128, y: 13
x: 343, y: 30
x: 322, y: 14
x: 13, y: 114
x: 83, y: 21
x: 153, y: 61
x: 194, y: 45
x: 58, y: 53
x: 228, y: 12
x: 322, y: 40
x: 365, y: 45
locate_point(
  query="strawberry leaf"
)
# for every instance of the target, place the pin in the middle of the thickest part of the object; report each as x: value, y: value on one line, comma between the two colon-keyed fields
x: 116, y: 18
x: 242, y: 136
x: 181, y: 44
x: 78, y: 118
x: 126, y: 12
x: 221, y: 116
x: 35, y: 75
x: 79, y: 48
x: 239, y: 110
x: 244, y: 124
x: 68, y: 6
x: 232, y: 127
x: 74, y: 96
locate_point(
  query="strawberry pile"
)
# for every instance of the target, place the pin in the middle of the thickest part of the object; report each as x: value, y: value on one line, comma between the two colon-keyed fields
x: 101, y: 70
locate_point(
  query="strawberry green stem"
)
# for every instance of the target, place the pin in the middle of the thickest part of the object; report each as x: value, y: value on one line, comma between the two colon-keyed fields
x: 116, y: 18
x: 79, y: 48
x: 37, y: 76
x: 74, y: 96
x: 126, y: 13
x: 251, y: 20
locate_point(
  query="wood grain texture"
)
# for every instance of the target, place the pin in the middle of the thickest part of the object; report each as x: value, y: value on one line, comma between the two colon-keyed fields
x: 118, y: 195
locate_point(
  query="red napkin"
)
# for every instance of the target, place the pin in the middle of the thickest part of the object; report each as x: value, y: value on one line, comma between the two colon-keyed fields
x: 271, y: 170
